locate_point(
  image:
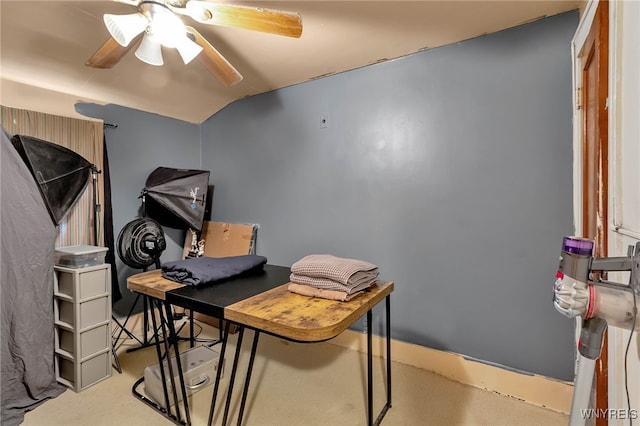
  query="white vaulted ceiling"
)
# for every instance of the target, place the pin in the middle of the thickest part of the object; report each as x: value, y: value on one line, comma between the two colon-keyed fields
x: 44, y: 46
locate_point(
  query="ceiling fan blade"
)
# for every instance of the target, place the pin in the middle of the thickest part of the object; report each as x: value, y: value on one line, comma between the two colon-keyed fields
x: 214, y: 61
x: 110, y: 53
x: 249, y: 18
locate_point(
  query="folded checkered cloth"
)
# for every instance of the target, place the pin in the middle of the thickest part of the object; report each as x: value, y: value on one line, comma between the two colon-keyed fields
x: 334, y: 273
x: 362, y: 281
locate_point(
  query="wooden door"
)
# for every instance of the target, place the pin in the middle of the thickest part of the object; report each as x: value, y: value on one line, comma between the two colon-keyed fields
x: 594, y: 91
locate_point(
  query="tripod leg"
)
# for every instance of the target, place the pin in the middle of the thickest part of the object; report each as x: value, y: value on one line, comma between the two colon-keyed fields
x: 148, y: 311
x: 124, y: 330
x: 123, y: 327
x: 116, y: 359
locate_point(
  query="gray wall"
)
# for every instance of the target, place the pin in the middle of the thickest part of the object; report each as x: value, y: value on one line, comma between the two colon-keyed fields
x: 450, y: 169
x: 142, y: 142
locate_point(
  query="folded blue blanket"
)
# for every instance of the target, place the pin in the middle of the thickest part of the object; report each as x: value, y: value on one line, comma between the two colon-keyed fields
x: 205, y: 270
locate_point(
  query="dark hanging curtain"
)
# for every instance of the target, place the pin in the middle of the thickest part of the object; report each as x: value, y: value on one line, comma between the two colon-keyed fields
x: 108, y: 226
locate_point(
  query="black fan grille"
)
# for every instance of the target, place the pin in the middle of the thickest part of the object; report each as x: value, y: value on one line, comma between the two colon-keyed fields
x: 140, y: 243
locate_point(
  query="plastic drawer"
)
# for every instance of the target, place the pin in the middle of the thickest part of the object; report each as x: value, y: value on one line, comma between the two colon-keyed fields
x: 90, y: 283
x: 91, y: 312
x: 80, y: 375
x: 89, y: 342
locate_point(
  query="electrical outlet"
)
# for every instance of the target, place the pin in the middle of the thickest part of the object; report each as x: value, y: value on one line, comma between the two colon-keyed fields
x: 324, y: 121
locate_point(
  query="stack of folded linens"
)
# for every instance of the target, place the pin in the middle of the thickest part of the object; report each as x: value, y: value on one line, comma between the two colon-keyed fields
x: 331, y: 277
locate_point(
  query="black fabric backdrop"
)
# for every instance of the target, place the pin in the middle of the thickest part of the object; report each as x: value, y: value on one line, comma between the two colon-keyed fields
x: 108, y: 227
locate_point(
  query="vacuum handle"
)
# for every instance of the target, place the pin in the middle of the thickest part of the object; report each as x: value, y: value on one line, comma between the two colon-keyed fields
x: 591, y: 337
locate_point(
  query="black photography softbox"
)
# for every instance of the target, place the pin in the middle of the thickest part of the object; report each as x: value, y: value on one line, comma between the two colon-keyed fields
x: 176, y: 197
x: 62, y: 175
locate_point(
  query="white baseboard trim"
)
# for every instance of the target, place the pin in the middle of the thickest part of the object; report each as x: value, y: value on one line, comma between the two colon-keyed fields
x: 538, y: 390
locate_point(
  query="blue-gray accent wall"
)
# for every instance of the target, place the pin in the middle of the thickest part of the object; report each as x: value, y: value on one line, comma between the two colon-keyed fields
x: 139, y: 144
x: 451, y: 169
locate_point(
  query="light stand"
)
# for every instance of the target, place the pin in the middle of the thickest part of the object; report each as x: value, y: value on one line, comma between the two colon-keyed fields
x: 96, y: 210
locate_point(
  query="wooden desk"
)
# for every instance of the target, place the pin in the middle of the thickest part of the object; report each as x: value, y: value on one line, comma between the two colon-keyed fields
x: 302, y: 318
x: 260, y: 301
x: 152, y: 284
x: 309, y: 319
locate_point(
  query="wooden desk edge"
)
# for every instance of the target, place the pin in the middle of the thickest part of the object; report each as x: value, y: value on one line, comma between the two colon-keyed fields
x: 240, y: 315
x: 151, y: 283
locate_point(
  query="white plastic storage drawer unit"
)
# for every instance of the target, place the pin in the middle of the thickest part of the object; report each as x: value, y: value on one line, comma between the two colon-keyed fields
x: 82, y: 309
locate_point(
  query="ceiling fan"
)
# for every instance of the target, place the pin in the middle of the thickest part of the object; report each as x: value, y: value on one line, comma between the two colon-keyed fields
x: 157, y: 24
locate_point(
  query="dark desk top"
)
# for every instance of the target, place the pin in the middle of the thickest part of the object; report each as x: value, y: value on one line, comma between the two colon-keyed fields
x: 212, y: 299
x: 261, y: 300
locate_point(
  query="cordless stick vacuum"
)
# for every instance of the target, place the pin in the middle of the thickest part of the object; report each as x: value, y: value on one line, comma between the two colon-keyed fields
x: 579, y: 290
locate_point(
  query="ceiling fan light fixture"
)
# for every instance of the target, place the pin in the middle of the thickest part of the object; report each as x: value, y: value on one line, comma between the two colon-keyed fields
x: 158, y: 24
x: 165, y: 26
x: 150, y: 51
x: 124, y: 28
x: 188, y: 49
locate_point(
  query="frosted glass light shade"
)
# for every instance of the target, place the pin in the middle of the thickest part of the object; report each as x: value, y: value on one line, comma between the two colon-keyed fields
x: 124, y: 28
x: 166, y: 27
x: 187, y: 49
x: 150, y: 51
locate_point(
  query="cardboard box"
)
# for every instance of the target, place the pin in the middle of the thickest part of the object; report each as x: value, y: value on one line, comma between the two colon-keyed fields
x: 222, y: 240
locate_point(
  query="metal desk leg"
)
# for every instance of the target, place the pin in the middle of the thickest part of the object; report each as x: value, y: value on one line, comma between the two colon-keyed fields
x: 388, y: 321
x: 248, y: 378
x: 224, y: 338
x: 387, y: 405
x: 369, y: 371
x: 233, y: 375
x: 173, y: 337
x: 163, y: 375
x: 191, y: 330
x: 162, y: 410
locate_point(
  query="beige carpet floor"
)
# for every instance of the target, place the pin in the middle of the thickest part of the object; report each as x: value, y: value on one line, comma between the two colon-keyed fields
x: 296, y: 384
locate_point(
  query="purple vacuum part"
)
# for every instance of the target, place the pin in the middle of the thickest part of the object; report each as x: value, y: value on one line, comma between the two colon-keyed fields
x: 578, y: 245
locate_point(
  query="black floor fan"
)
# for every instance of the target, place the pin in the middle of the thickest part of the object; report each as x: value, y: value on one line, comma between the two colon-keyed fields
x: 139, y: 245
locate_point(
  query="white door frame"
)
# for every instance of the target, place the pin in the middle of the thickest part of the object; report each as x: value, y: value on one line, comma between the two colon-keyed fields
x: 624, y: 137
x: 621, y: 36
